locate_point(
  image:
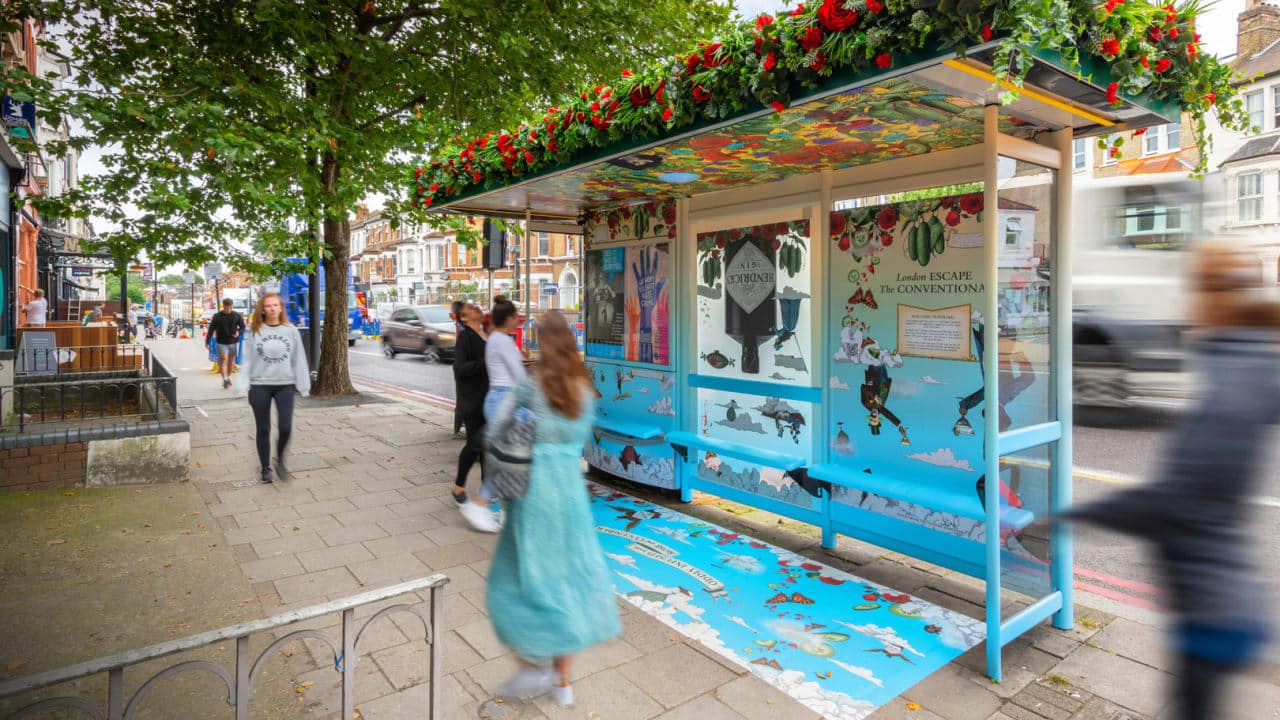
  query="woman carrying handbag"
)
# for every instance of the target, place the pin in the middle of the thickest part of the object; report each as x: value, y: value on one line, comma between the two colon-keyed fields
x: 549, y: 591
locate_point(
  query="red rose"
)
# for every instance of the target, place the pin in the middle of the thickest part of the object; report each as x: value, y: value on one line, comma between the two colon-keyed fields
x: 1112, y: 96
x: 887, y: 218
x: 777, y: 106
x: 691, y: 64
x: 1173, y: 33
x: 582, y: 116
x: 1155, y: 33
x: 1211, y: 97
x: 770, y: 62
x: 953, y: 218
x: 838, y: 224
x: 835, y: 17
x: 798, y: 11
x: 662, y: 88
x: 551, y: 146
x: 819, y: 61
x: 640, y: 96
x: 426, y: 202
x: 434, y: 187
x: 595, y: 107
x: 884, y: 60
x: 1139, y: 132
x: 1110, y: 46
x: 1163, y: 64
x: 477, y: 177
x: 709, y: 55
x: 874, y: 7
x: 667, y: 115
x: 986, y: 32
x: 763, y: 20
x: 948, y: 201
x: 971, y: 203
x: 812, y: 38
x: 528, y: 157
x: 418, y: 173
x: 700, y: 94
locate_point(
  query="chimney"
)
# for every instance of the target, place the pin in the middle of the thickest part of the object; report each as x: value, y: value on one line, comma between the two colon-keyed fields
x: 1258, y: 27
x: 362, y: 210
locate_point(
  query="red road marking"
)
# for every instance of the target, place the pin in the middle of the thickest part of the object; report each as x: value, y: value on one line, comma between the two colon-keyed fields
x: 1134, y: 585
x: 1117, y: 595
x: 379, y: 385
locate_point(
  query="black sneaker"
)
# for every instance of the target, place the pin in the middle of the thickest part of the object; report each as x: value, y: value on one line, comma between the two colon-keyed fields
x: 226, y: 382
x: 266, y: 475
x: 460, y: 498
x: 282, y: 472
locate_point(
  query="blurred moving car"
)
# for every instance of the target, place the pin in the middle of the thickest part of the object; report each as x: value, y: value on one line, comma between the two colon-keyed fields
x: 425, y: 330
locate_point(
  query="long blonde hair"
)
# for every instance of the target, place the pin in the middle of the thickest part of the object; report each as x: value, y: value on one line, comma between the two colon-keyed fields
x: 257, y: 320
x: 560, y: 370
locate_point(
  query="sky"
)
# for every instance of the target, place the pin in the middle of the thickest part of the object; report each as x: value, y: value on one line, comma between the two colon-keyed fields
x: 1217, y: 28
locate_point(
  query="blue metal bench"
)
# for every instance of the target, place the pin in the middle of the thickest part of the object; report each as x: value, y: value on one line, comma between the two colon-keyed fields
x: 626, y: 428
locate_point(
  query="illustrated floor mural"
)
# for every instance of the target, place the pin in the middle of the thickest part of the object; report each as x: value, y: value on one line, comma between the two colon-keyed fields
x: 838, y: 644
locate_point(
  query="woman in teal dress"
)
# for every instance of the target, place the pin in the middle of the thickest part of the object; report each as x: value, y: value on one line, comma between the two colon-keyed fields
x: 550, y: 594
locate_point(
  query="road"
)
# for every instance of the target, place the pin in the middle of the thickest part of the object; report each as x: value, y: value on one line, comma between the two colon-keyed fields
x: 1106, y: 458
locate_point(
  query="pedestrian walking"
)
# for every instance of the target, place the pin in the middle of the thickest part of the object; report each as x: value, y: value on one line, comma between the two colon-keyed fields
x: 471, y: 381
x: 455, y: 314
x: 225, y: 330
x: 549, y: 592
x: 274, y: 370
x: 131, y: 323
x: 1196, y: 511
x: 36, y: 312
x: 502, y: 358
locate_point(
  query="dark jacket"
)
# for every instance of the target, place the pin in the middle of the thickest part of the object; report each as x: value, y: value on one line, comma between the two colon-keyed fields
x: 226, y: 327
x: 469, y: 373
x: 1196, y: 511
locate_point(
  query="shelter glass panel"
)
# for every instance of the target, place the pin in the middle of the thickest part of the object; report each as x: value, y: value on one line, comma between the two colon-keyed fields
x: 1026, y: 553
x: 1026, y: 227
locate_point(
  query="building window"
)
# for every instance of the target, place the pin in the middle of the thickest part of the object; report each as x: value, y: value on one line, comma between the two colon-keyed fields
x: 1162, y: 139
x: 1080, y: 154
x: 1275, y: 107
x: 410, y: 264
x: 568, y: 245
x: 1249, y: 197
x: 544, y: 244
x: 1012, y: 232
x: 1253, y: 103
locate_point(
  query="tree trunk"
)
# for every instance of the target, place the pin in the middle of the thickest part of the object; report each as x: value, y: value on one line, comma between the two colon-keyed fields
x: 332, y: 374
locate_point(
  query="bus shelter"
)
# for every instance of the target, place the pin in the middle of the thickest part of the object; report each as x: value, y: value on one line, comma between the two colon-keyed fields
x: 852, y: 309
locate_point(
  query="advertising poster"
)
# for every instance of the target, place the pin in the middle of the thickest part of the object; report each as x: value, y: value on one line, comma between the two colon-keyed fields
x: 606, y: 288
x: 647, y: 296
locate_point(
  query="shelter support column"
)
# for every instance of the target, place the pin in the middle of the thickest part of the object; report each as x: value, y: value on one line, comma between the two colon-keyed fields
x: 991, y: 380
x: 528, y: 267
x: 820, y: 246
x: 1062, y: 561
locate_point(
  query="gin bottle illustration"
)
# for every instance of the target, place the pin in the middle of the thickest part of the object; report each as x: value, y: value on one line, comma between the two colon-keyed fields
x: 750, y: 281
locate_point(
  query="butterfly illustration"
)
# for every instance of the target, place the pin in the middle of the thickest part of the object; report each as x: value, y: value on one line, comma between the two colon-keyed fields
x: 768, y: 662
x: 864, y: 297
x: 794, y: 597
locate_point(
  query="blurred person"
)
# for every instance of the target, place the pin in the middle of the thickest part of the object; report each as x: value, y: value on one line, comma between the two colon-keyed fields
x: 471, y: 381
x: 455, y: 314
x: 131, y: 323
x: 502, y: 358
x: 275, y: 369
x: 224, y: 331
x: 1196, y: 512
x: 549, y: 592
x: 36, y: 312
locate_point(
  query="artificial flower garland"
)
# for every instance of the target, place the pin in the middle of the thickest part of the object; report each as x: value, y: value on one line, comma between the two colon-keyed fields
x: 1147, y: 48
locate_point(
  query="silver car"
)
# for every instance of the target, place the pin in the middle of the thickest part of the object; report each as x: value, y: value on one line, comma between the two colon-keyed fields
x: 425, y: 330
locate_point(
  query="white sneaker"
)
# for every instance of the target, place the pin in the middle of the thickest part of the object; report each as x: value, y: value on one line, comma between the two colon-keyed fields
x: 563, y: 696
x: 529, y: 682
x: 479, y: 518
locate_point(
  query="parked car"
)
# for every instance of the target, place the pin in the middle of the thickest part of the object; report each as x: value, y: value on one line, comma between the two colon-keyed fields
x: 425, y: 330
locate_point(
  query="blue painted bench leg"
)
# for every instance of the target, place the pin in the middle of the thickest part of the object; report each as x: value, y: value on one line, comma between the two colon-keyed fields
x: 828, y: 531
x: 685, y: 479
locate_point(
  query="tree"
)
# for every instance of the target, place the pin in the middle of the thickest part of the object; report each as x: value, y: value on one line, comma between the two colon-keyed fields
x: 270, y: 121
x: 177, y: 280
x: 136, y: 296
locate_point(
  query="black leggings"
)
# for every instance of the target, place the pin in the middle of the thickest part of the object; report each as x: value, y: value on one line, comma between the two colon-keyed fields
x: 473, y: 449
x: 1199, y: 687
x: 260, y: 397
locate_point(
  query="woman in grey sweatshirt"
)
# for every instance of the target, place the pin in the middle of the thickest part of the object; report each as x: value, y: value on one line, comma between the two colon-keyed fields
x: 275, y: 368
x: 1196, y: 512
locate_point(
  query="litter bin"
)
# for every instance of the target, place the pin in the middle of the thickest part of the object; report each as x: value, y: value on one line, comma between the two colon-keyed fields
x: 305, y: 332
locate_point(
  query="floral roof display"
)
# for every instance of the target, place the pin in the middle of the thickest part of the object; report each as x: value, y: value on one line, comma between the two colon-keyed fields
x: 1141, y: 52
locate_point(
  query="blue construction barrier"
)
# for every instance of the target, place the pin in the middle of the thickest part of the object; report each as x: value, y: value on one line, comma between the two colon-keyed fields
x: 213, y: 351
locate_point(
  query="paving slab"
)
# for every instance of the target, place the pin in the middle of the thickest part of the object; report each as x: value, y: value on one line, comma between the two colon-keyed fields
x: 607, y: 694
x: 675, y: 675
x: 324, y: 558
x: 1118, y: 679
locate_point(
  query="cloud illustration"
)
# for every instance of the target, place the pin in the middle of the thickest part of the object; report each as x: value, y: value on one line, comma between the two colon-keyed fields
x: 836, y: 383
x: 663, y: 407
x: 942, y: 457
x: 931, y: 380
x: 742, y: 422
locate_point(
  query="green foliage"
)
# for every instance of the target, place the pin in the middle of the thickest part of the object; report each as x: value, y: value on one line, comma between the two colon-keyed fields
x: 136, y: 295
x: 1148, y: 50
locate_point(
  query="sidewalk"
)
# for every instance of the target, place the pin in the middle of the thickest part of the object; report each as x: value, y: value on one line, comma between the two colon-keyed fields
x: 368, y: 506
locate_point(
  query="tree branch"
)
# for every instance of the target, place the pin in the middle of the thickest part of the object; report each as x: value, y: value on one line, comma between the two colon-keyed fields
x: 417, y: 100
x: 397, y: 22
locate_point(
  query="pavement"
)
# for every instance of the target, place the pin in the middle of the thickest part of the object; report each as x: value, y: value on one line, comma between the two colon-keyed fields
x: 368, y: 506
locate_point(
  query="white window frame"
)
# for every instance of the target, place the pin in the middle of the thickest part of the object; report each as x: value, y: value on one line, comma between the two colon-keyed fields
x: 1107, y: 157
x: 1162, y: 135
x: 1013, y: 229
x: 1261, y: 111
x: 1080, y: 154
x: 1252, y: 198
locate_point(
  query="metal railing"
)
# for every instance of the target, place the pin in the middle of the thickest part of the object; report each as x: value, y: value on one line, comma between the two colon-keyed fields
x: 82, y: 360
x: 40, y: 405
x: 240, y: 682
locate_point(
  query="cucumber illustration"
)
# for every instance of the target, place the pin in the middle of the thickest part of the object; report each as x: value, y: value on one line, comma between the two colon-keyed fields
x: 926, y: 247
x: 913, y: 240
x: 939, y: 235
